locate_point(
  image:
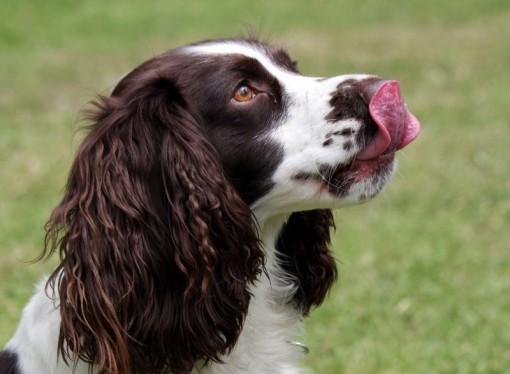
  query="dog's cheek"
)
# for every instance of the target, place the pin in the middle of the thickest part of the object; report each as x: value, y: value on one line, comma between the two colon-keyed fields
x: 249, y: 162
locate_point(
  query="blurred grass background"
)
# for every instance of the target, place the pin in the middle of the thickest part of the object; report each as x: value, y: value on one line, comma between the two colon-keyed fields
x: 425, y: 268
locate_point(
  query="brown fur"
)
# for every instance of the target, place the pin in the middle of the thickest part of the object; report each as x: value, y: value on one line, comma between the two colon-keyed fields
x: 156, y: 247
x: 303, y: 248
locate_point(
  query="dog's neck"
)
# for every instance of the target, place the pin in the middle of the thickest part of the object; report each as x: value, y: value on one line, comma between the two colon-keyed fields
x: 272, y: 321
x: 269, y: 231
x: 279, y: 286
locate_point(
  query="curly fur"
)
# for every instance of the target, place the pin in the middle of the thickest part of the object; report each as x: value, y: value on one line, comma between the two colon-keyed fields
x: 303, y: 249
x: 146, y: 206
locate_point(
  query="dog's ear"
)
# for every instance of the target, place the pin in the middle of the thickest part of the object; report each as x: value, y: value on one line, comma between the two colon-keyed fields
x: 157, y: 249
x: 304, y: 255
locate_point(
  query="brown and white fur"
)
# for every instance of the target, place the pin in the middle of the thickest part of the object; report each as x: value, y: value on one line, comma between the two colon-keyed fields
x: 194, y: 229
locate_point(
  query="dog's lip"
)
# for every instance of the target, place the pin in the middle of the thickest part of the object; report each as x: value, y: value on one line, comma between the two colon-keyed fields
x: 383, y: 156
x: 363, y: 167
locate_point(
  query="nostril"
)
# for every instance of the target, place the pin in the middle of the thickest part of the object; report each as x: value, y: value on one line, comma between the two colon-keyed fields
x: 369, y: 87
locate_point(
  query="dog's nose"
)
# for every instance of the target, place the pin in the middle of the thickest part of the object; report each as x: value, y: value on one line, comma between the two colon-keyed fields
x: 396, y: 126
x: 369, y: 87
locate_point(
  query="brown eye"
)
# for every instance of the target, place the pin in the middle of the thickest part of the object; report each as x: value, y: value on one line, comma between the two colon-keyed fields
x: 244, y: 93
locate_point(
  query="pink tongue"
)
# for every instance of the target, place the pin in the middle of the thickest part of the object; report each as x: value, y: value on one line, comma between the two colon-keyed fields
x: 397, y: 127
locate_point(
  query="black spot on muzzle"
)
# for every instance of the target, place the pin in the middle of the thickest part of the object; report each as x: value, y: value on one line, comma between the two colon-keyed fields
x: 350, y: 101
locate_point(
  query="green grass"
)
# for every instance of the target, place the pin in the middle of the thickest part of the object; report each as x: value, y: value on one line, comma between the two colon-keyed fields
x: 425, y: 268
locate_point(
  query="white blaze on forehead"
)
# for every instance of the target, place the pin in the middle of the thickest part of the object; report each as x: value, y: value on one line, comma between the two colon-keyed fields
x: 288, y: 78
x: 241, y: 48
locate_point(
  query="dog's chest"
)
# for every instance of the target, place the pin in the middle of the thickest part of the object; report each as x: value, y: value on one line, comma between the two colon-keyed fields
x: 265, y: 343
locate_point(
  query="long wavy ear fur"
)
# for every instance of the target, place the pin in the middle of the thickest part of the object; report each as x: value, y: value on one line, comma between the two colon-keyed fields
x: 304, y: 254
x: 157, y: 249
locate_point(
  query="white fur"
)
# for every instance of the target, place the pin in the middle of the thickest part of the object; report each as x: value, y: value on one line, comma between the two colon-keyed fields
x: 270, y: 324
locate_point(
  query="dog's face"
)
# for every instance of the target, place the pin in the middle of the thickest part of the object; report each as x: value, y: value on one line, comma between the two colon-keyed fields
x: 290, y: 142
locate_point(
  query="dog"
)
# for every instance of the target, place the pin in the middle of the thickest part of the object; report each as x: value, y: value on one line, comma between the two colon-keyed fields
x: 194, y: 229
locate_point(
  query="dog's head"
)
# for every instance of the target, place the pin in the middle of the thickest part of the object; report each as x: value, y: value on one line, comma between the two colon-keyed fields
x: 156, y: 230
x: 288, y: 141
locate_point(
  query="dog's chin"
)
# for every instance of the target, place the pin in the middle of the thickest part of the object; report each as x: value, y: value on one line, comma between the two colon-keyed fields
x: 360, y: 180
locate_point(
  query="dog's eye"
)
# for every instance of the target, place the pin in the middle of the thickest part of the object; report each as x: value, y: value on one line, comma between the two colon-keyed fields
x: 244, y: 93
